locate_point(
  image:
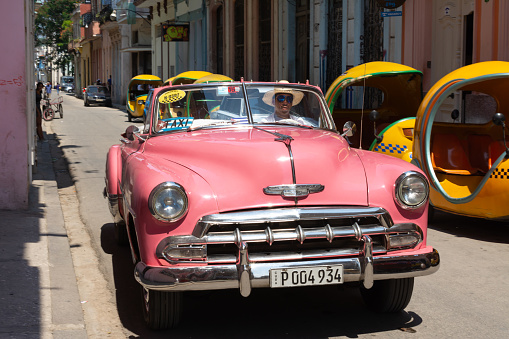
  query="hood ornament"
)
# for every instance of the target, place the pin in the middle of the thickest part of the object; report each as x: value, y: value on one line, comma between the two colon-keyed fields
x: 293, y: 191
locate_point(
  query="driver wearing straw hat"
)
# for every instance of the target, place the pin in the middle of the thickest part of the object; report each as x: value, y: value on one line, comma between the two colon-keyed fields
x: 283, y: 99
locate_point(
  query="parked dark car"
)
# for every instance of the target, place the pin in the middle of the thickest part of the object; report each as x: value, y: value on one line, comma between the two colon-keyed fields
x: 97, y: 94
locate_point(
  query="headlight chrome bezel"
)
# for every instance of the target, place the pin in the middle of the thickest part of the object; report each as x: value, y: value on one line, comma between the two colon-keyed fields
x: 399, y: 184
x: 159, y: 189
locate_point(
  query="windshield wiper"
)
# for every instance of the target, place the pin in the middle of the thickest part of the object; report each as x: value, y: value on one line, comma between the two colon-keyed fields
x: 288, y: 123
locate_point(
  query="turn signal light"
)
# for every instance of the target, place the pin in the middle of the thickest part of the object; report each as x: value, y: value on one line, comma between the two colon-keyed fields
x: 185, y: 253
x: 397, y: 241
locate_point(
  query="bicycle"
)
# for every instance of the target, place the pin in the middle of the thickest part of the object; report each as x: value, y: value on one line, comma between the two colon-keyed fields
x: 49, y: 108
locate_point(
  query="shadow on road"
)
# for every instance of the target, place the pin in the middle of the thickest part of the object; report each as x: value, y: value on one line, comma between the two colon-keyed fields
x: 308, y: 312
x: 473, y: 228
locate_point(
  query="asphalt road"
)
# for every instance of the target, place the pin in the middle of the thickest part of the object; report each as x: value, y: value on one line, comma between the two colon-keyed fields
x: 468, y: 297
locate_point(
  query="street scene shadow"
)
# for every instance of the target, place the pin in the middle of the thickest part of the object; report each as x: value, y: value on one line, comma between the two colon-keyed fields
x: 60, y: 162
x: 20, y: 280
x: 305, y: 312
x: 473, y: 228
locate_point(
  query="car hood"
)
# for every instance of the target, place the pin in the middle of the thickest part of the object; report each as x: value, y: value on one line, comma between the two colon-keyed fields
x: 238, y: 163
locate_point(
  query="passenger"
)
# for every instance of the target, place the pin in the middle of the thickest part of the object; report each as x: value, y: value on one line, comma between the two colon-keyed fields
x: 283, y: 99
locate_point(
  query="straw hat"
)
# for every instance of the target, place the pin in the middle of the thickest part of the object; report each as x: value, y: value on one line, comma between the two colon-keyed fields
x: 269, y: 96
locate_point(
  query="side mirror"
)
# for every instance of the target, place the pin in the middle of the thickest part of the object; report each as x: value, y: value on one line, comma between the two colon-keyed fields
x: 349, y: 129
x: 374, y: 115
x: 129, y: 132
x: 499, y: 119
x: 455, y: 114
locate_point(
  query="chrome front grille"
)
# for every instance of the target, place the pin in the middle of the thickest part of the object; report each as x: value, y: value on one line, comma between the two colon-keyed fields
x: 285, y: 234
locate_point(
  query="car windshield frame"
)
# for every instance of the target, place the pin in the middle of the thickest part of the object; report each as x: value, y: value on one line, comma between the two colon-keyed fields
x: 189, y: 107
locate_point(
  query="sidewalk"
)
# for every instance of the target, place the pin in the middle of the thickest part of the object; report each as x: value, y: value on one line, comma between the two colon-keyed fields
x: 38, y: 290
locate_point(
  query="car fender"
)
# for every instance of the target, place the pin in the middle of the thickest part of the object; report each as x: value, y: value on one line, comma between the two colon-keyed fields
x: 382, y: 171
x: 112, y: 179
x: 113, y: 170
x: 140, y: 177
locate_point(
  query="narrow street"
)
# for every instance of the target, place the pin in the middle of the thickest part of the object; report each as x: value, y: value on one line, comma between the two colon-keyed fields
x: 468, y: 297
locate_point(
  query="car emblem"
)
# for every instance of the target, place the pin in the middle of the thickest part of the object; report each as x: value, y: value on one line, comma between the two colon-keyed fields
x: 293, y: 191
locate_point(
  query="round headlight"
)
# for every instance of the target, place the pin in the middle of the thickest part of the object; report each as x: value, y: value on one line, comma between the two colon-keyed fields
x: 168, y: 201
x: 411, y: 190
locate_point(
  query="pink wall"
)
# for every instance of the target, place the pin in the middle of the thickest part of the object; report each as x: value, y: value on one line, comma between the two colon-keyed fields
x: 417, y: 35
x: 492, y: 31
x: 503, y: 35
x: 14, y: 183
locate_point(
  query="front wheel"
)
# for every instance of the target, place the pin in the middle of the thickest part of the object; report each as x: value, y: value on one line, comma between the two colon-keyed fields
x: 48, y: 114
x: 388, y: 296
x: 61, y: 110
x: 129, y: 116
x: 121, y: 236
x: 161, y: 310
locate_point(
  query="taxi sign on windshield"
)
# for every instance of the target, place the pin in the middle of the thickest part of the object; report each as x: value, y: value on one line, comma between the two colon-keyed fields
x: 171, y: 96
x: 172, y: 124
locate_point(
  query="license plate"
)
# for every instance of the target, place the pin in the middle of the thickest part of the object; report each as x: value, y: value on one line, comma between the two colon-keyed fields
x: 306, y: 276
x: 100, y: 99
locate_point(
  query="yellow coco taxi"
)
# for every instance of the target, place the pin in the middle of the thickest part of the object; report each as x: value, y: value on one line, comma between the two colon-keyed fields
x: 199, y: 106
x: 461, y: 141
x: 382, y: 99
x: 137, y: 92
x: 186, y: 78
x: 213, y: 78
x: 211, y: 105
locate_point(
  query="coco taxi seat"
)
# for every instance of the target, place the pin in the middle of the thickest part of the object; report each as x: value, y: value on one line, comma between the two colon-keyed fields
x: 449, y: 156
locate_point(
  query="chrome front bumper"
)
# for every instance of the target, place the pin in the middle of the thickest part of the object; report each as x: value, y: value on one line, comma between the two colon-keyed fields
x: 245, y: 275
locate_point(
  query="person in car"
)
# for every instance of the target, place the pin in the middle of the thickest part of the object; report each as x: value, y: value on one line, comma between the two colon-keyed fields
x: 283, y: 99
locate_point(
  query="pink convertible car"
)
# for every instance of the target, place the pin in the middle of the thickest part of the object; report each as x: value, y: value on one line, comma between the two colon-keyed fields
x: 241, y: 185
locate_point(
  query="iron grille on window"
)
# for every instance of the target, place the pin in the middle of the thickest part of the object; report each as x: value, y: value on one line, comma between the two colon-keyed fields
x: 239, y: 39
x: 372, y: 43
x: 86, y: 19
x: 264, y: 56
x: 219, y: 41
x: 335, y: 38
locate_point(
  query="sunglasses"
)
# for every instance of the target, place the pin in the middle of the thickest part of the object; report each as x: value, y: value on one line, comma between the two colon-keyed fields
x: 282, y: 98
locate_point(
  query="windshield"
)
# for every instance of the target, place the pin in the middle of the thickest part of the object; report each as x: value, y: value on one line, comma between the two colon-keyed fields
x: 222, y: 104
x: 102, y: 90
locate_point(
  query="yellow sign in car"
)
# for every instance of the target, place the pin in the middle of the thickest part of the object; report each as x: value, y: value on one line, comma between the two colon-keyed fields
x: 172, y: 96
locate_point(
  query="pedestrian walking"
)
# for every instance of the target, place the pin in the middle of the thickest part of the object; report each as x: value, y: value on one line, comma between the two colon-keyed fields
x: 38, y: 112
x: 58, y: 88
x: 48, y: 89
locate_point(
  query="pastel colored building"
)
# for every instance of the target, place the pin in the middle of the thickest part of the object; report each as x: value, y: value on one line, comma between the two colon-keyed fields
x: 17, y: 99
